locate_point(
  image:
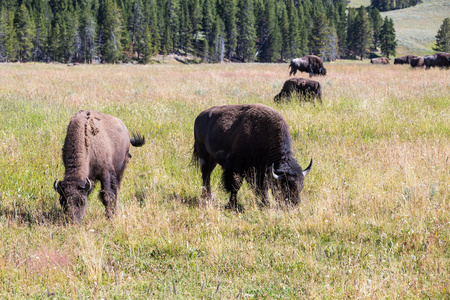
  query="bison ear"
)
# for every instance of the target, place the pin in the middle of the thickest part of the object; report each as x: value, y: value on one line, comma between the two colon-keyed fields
x: 56, y: 186
x: 308, y: 169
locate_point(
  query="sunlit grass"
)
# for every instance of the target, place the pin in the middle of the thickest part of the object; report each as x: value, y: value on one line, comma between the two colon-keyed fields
x: 373, y: 222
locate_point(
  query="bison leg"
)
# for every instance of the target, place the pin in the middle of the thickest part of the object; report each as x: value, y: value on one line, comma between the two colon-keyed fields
x: 207, y: 166
x: 262, y: 188
x: 108, y: 193
x: 232, y: 182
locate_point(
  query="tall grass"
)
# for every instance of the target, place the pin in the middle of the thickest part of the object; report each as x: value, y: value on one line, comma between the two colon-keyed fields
x: 373, y: 222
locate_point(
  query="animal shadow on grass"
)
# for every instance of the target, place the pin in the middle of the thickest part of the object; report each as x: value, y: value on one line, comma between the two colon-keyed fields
x: 24, y: 215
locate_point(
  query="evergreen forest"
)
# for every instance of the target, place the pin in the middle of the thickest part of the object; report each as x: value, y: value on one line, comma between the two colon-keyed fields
x: 113, y: 31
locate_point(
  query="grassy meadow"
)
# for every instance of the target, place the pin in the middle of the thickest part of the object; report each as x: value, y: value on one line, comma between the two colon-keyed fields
x: 374, y: 219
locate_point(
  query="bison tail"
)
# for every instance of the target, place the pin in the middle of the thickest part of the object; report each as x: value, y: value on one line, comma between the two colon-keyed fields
x: 137, y: 140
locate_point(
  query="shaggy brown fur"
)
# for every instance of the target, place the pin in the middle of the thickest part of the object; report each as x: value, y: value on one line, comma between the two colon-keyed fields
x: 380, y: 60
x: 418, y: 62
x: 249, y: 141
x: 304, y: 87
x: 441, y: 60
x: 311, y: 64
x: 96, y: 147
x: 404, y: 60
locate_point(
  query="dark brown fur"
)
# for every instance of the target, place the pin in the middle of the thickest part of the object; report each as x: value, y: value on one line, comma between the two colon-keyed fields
x: 380, y: 60
x: 311, y: 64
x: 304, y: 87
x: 404, y: 60
x: 247, y: 140
x: 418, y: 62
x: 96, y: 148
x: 441, y: 60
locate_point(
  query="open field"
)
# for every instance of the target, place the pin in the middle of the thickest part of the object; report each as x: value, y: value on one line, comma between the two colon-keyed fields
x: 373, y: 222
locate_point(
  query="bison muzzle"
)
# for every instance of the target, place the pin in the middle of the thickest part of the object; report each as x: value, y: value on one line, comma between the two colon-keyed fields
x: 252, y: 142
x: 96, y: 148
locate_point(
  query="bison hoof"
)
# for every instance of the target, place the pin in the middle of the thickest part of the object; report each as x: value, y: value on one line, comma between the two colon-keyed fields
x: 236, y: 208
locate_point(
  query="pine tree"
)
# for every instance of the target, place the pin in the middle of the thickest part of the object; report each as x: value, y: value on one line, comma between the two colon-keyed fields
x: 209, y: 18
x: 219, y: 40
x: 227, y: 11
x: 88, y: 34
x: 24, y: 32
x: 341, y: 26
x: 3, y: 30
x: 196, y: 21
x: 284, y: 31
x: 443, y: 37
x: 111, y: 32
x: 294, y: 37
x: 319, y: 38
x: 360, y: 33
x: 247, y: 33
x: 388, y: 43
x: 376, y: 22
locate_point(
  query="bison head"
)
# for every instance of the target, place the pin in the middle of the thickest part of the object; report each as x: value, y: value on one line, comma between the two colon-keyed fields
x: 73, y: 197
x: 290, y: 177
x: 323, y: 71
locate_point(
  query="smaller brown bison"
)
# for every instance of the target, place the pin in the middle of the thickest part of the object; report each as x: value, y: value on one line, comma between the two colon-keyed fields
x: 311, y: 64
x: 404, y: 60
x: 305, y: 88
x: 417, y: 62
x: 96, y: 147
x: 380, y: 60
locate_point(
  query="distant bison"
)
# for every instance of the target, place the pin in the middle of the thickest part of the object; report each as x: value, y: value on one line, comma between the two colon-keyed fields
x: 441, y: 60
x: 311, y: 64
x: 417, y: 62
x: 404, y: 60
x: 304, y: 87
x: 96, y: 147
x: 250, y: 141
x: 380, y: 60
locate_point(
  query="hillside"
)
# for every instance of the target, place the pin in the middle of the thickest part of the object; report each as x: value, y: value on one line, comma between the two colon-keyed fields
x: 416, y: 27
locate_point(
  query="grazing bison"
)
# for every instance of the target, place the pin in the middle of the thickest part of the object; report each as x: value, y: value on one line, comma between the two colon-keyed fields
x: 304, y: 87
x: 404, y: 60
x: 310, y: 63
x: 250, y: 141
x: 96, y: 148
x: 417, y: 62
x: 441, y: 60
x: 380, y: 60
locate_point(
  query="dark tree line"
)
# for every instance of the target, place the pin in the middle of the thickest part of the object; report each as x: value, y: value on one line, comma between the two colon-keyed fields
x: 386, y: 5
x: 214, y: 30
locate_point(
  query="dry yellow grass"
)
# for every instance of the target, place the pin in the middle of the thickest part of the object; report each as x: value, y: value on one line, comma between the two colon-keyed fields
x: 373, y: 223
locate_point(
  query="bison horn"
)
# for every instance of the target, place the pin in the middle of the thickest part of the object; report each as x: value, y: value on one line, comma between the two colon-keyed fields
x: 277, y: 177
x: 88, y: 185
x: 56, y: 186
x: 306, y: 171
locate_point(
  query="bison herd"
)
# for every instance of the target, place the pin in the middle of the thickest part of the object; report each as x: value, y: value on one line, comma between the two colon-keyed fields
x: 249, y: 141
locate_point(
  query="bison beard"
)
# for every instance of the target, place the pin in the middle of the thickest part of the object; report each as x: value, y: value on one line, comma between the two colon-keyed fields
x: 250, y: 141
x: 96, y: 148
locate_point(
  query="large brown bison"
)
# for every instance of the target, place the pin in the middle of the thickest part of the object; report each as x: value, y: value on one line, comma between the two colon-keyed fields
x: 305, y: 88
x: 404, y: 60
x: 311, y: 64
x: 96, y: 147
x: 380, y: 60
x: 417, y: 62
x: 250, y: 141
x: 441, y: 60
